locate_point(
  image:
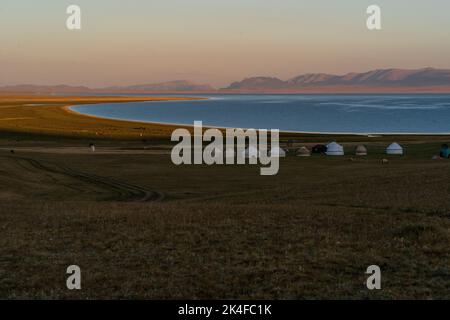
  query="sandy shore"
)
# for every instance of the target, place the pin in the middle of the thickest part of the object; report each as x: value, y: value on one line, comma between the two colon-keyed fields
x: 50, y: 115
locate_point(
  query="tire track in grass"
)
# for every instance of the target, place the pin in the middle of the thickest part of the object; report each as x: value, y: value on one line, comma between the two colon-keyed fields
x: 123, y: 191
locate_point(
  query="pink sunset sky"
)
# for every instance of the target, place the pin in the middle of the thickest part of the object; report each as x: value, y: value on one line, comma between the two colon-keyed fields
x: 216, y: 42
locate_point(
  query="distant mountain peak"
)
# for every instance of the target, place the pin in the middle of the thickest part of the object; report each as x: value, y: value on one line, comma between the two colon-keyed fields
x: 258, y: 82
x: 425, y: 77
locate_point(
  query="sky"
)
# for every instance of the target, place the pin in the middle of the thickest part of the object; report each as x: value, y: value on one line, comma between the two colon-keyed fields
x: 214, y: 41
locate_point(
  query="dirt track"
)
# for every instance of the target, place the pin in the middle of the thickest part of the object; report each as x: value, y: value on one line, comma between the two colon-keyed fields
x: 121, y: 191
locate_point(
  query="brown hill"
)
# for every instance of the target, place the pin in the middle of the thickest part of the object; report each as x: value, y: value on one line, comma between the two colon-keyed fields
x: 383, y: 78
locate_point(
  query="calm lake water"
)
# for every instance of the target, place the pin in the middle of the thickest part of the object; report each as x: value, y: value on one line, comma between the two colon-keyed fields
x: 405, y: 113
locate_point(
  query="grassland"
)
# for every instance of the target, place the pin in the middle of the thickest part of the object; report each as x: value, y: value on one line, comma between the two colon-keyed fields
x: 141, y: 227
x: 50, y: 116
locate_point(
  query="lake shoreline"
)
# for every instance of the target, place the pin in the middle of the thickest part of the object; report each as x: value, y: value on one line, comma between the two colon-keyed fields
x: 217, y: 115
x: 49, y: 116
x: 54, y: 118
x: 368, y: 134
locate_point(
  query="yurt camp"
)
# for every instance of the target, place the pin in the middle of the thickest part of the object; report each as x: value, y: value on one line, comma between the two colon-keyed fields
x: 334, y: 149
x: 277, y: 152
x: 303, y: 152
x: 394, y: 149
x: 361, y: 150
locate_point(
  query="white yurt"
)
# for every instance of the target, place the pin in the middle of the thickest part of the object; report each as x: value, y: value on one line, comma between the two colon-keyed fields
x: 334, y: 149
x: 394, y: 148
x: 251, y: 152
x: 303, y: 152
x: 229, y: 153
x: 361, y: 150
x: 277, y: 152
x: 217, y: 152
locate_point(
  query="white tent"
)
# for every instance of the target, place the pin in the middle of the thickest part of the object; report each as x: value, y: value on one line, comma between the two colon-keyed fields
x: 303, y: 152
x: 334, y: 149
x: 361, y: 150
x: 277, y: 152
x: 229, y: 153
x: 250, y: 152
x: 394, y: 148
x: 217, y: 152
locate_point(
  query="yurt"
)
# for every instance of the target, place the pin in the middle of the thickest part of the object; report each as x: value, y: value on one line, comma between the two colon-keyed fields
x: 334, y: 149
x: 394, y: 148
x: 303, y: 152
x: 217, y: 152
x: 319, y: 148
x: 361, y: 150
x: 229, y: 153
x: 251, y: 152
x: 277, y: 152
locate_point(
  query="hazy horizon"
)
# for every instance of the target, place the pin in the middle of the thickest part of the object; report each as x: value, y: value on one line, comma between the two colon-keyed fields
x: 178, y: 80
x: 214, y: 42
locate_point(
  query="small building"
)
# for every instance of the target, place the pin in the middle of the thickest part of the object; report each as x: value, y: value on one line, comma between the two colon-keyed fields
x: 334, y: 149
x: 277, y: 152
x: 303, y: 152
x: 319, y: 148
x: 444, y: 152
x: 394, y: 149
x: 229, y: 153
x: 216, y: 152
x: 251, y: 152
x: 361, y: 150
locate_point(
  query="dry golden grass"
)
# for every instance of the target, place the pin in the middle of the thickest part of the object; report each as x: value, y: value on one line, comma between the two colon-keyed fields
x: 140, y: 227
x: 49, y: 115
x: 224, y: 232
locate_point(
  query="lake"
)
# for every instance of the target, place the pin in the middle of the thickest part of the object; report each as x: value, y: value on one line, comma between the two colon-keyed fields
x: 337, y: 113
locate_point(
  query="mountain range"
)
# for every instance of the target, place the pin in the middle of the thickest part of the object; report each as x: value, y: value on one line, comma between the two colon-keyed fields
x: 380, y: 80
x: 169, y: 86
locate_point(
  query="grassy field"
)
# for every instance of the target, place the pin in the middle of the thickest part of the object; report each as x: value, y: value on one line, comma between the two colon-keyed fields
x: 141, y: 227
